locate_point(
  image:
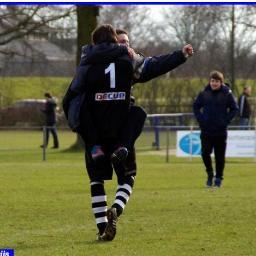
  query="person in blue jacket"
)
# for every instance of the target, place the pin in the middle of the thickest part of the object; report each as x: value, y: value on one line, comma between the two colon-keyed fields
x: 214, y: 108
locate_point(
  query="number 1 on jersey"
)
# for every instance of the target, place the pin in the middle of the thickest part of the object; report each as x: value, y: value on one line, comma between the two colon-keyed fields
x: 112, y: 70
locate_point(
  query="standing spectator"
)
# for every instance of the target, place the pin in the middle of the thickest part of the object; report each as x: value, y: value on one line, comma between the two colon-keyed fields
x: 244, y: 107
x: 214, y: 109
x: 50, y: 113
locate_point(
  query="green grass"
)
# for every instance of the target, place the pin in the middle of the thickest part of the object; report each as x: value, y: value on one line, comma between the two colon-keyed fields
x: 157, y: 92
x: 11, y: 140
x: 32, y: 87
x: 45, y: 206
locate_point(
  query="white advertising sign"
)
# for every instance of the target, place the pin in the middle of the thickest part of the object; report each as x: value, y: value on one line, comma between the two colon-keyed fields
x: 240, y: 143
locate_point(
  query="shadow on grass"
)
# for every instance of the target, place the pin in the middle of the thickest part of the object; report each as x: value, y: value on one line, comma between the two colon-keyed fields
x: 75, y: 148
x: 24, y: 246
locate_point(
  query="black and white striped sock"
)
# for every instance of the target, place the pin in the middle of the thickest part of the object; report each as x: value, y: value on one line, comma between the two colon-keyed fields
x: 123, y: 194
x: 99, y: 204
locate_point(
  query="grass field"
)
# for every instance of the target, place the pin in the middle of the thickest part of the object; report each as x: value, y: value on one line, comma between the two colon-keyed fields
x: 45, y: 206
x: 178, y: 90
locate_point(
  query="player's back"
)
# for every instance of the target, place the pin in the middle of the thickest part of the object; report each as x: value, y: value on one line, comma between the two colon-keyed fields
x: 108, y: 86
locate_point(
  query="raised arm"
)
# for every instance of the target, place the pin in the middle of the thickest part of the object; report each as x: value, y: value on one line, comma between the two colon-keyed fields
x: 153, y: 67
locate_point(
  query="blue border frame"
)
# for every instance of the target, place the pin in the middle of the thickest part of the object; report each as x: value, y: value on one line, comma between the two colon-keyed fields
x: 128, y: 3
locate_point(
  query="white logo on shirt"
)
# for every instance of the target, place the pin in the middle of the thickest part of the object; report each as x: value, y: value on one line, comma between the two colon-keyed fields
x: 110, y: 96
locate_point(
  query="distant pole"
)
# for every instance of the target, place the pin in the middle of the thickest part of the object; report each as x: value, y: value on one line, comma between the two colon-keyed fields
x: 156, y: 131
x: 255, y: 143
x: 1, y: 100
x: 44, y: 143
x: 167, y: 144
x: 191, y: 143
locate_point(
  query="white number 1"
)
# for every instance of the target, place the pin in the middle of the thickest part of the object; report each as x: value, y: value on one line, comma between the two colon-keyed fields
x: 112, y: 70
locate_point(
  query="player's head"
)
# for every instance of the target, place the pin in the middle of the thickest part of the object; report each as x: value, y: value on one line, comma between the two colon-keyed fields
x: 122, y: 37
x: 48, y: 95
x: 248, y: 90
x: 216, y: 80
x: 104, y: 34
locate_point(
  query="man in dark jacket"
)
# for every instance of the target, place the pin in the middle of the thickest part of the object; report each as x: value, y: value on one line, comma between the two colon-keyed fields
x: 214, y: 109
x: 244, y: 107
x: 50, y: 122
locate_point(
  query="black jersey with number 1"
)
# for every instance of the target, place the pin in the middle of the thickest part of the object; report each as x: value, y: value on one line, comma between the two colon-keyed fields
x: 107, y: 90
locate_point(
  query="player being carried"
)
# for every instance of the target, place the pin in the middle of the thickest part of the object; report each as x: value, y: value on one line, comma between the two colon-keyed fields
x: 106, y: 74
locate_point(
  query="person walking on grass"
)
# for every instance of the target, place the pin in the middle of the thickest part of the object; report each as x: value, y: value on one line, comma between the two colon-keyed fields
x: 214, y: 108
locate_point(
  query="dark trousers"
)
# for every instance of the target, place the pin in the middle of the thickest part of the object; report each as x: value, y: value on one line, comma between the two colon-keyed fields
x: 131, y: 130
x: 133, y: 127
x: 244, y: 122
x: 88, y: 130
x: 218, y: 144
x: 53, y: 131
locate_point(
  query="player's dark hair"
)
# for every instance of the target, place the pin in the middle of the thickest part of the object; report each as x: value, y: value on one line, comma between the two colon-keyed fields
x: 47, y: 95
x: 217, y: 75
x: 120, y: 31
x: 104, y: 34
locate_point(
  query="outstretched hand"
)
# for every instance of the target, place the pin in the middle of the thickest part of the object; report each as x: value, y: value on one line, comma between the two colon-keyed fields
x: 188, y: 50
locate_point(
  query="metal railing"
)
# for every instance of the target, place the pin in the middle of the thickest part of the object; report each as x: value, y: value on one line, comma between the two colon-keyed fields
x: 191, y: 130
x: 162, y: 140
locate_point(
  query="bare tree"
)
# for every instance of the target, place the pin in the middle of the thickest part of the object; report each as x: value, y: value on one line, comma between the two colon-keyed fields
x: 190, y: 24
x: 86, y: 23
x: 20, y: 26
x: 18, y: 21
x: 222, y: 37
x: 133, y: 18
x: 238, y: 27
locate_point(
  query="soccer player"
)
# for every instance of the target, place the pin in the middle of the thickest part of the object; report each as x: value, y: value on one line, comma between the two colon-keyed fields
x: 150, y: 68
x: 214, y: 109
x: 108, y: 84
x: 107, y: 74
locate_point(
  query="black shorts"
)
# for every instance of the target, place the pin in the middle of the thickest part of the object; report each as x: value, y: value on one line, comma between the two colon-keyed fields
x: 103, y: 169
